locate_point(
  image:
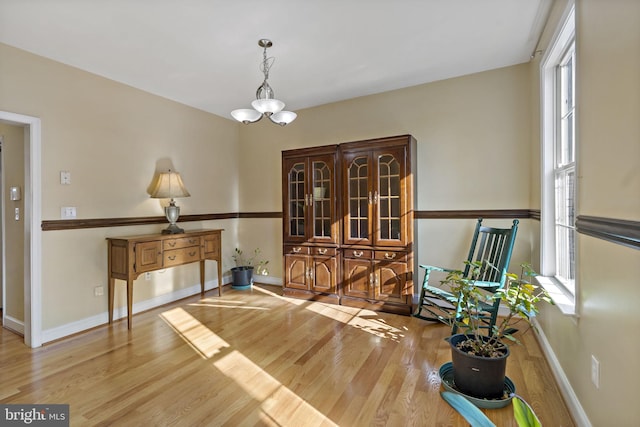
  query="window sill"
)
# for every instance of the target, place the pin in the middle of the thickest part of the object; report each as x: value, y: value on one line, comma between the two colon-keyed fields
x: 563, y: 299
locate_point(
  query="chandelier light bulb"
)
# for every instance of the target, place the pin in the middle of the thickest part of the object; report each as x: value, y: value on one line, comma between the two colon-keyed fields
x: 265, y: 104
x: 246, y: 115
x: 283, y: 118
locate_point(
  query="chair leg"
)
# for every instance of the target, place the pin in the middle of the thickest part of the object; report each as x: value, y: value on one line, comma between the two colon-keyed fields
x: 425, y: 280
x: 421, y: 302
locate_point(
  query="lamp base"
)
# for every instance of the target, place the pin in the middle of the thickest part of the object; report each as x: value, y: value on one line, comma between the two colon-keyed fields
x: 172, y: 212
x: 173, y: 229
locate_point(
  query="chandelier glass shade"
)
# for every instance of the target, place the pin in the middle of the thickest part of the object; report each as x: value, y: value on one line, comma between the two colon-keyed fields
x: 265, y: 104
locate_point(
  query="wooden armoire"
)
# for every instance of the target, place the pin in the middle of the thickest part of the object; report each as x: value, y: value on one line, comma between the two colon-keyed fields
x: 348, y: 223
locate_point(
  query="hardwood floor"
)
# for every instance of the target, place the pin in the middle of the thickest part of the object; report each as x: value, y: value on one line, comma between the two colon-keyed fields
x: 257, y: 358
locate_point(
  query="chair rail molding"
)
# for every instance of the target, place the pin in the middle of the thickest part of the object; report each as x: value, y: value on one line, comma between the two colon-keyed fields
x: 620, y: 231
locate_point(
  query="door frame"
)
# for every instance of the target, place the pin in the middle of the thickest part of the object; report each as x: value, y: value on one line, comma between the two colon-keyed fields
x: 33, y: 231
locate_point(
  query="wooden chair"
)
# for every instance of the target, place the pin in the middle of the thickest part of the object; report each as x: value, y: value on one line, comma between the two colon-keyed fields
x: 493, y: 245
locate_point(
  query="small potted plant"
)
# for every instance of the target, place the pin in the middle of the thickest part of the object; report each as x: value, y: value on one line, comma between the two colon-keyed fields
x: 479, y: 359
x: 246, y: 265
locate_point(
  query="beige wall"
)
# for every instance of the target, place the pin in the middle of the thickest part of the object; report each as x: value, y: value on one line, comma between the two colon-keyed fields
x: 608, y: 131
x: 13, y: 175
x: 473, y: 153
x: 112, y: 138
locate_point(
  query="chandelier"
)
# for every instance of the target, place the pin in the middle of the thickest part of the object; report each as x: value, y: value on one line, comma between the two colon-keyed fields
x: 265, y: 104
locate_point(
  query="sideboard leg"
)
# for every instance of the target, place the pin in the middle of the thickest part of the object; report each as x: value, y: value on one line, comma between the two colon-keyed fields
x: 111, y: 282
x: 129, y: 303
x: 219, y: 264
x: 202, y: 278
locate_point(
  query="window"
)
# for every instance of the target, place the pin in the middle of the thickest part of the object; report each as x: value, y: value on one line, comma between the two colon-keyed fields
x: 565, y: 171
x: 558, y: 234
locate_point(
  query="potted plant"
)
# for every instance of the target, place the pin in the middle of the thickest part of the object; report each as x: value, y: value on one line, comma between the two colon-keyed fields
x: 479, y: 360
x: 246, y: 265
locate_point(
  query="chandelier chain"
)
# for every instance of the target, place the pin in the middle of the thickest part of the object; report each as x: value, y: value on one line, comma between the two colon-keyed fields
x: 266, y: 65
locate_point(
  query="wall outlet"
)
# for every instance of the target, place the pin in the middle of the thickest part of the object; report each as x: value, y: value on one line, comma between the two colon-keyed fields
x: 147, y: 275
x: 595, y: 371
x: 65, y: 177
x: 98, y: 291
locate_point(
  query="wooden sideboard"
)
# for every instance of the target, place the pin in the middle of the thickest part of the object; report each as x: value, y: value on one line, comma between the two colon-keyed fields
x: 131, y: 256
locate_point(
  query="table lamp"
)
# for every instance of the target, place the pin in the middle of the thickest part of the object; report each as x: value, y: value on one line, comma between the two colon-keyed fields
x: 169, y: 186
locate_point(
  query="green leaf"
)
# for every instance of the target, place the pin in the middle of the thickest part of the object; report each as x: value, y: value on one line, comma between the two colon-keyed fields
x: 524, y: 415
x: 468, y: 410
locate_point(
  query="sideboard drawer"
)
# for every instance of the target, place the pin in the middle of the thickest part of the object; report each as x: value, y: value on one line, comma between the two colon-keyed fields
x: 181, y: 256
x: 181, y: 242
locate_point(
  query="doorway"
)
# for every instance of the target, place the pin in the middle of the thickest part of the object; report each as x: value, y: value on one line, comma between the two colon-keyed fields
x: 31, y: 216
x: 12, y: 169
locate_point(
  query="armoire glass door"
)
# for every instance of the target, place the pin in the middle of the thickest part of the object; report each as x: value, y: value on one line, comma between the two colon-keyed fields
x: 310, y: 206
x: 374, y: 200
x: 359, y: 199
x: 322, y: 197
x: 297, y: 201
x: 388, y: 198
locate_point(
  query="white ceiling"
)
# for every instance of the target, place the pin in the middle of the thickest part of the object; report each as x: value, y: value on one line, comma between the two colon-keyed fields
x: 205, y: 53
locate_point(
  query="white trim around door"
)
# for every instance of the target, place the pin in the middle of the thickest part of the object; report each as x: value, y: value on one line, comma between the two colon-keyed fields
x: 33, y: 230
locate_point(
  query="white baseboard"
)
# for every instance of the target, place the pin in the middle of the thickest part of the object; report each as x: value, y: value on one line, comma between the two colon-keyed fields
x: 121, y: 312
x: 14, y: 324
x: 570, y: 398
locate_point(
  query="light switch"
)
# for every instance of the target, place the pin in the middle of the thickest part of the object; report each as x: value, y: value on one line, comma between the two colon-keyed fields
x: 65, y: 177
x: 68, y: 212
x: 17, y: 214
x: 15, y: 194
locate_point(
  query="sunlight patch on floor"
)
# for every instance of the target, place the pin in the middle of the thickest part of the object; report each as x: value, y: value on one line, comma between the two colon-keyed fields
x: 194, y: 333
x: 278, y: 404
x: 273, y: 294
x: 377, y: 327
x: 339, y: 313
x: 222, y: 301
x: 246, y: 307
x: 365, y: 320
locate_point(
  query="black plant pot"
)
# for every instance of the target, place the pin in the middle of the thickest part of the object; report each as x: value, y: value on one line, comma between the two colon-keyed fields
x: 242, y: 277
x: 476, y: 376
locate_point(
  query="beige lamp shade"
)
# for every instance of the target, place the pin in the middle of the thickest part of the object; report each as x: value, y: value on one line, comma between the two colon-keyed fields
x: 168, y: 186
